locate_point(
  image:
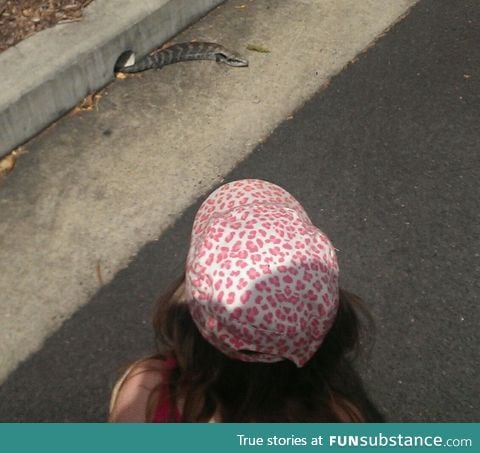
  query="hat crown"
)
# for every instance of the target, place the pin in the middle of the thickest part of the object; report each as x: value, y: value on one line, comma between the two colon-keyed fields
x: 260, y: 276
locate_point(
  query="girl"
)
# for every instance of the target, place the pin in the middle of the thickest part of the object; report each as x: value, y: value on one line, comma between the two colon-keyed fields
x: 257, y: 329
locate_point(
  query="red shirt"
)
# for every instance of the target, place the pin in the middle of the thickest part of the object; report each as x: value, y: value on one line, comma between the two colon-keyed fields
x: 165, y: 412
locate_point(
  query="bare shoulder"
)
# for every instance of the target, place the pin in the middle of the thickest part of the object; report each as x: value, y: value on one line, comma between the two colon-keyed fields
x: 133, y: 391
x: 146, y: 370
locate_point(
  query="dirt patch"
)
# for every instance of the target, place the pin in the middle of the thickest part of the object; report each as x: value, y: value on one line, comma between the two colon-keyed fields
x: 20, y: 19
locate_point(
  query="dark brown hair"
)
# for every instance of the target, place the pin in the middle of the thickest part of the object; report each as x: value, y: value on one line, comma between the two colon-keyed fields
x: 208, y: 382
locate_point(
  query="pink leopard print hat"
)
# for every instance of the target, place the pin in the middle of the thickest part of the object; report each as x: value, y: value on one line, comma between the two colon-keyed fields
x: 261, y: 279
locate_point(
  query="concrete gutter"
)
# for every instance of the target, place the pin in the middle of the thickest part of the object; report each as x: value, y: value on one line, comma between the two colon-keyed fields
x: 46, y: 75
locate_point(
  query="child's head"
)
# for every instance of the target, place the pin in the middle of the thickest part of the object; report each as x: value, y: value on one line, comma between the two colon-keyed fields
x: 261, y: 279
x: 258, y: 318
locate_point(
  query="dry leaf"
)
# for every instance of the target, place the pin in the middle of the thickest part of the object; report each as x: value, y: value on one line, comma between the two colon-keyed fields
x: 258, y: 48
x: 89, y: 103
x: 8, y: 162
x: 121, y: 75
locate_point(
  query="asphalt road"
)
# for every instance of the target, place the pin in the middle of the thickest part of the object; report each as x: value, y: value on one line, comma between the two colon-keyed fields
x: 386, y: 161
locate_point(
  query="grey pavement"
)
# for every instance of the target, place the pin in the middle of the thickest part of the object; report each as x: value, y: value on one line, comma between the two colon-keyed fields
x: 385, y: 160
x: 99, y: 184
x: 45, y: 76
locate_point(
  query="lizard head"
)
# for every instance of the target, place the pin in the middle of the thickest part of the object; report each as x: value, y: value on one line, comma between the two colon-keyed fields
x: 230, y: 59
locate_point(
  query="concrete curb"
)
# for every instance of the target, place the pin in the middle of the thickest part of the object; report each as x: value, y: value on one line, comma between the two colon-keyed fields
x: 48, y: 74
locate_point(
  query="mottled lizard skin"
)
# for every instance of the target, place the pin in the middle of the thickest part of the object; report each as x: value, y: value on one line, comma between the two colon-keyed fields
x: 186, y: 52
